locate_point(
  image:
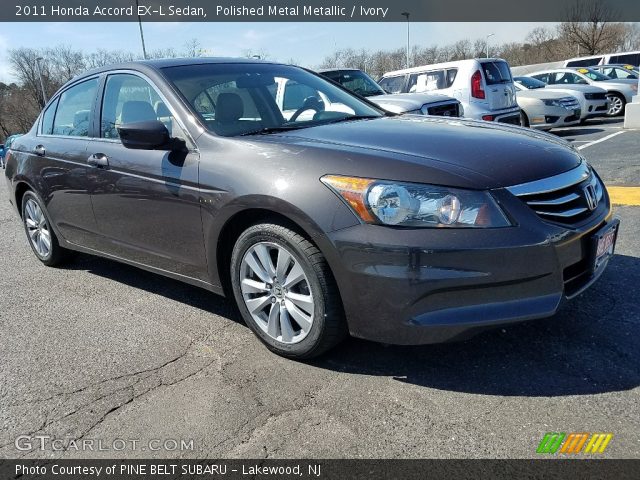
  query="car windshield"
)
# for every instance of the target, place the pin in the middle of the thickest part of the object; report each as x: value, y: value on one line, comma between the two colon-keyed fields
x: 593, y: 74
x: 235, y: 99
x: 356, y: 81
x: 530, y: 83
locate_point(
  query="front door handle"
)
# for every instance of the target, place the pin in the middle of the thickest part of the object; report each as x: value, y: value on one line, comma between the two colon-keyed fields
x: 99, y: 160
x: 40, y: 150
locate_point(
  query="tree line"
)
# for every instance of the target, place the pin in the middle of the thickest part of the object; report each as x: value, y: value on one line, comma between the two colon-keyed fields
x: 47, y: 69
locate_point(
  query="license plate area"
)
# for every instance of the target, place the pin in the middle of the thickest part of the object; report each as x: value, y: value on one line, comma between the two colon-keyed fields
x: 604, y: 244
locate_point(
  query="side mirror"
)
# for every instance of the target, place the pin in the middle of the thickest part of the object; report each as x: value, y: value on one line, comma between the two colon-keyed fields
x: 148, y: 135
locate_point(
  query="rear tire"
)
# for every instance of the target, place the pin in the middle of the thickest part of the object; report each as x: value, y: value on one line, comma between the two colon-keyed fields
x: 286, y: 292
x: 41, y: 237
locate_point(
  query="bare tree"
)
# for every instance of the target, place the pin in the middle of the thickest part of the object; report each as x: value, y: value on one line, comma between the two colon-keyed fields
x: 589, y: 30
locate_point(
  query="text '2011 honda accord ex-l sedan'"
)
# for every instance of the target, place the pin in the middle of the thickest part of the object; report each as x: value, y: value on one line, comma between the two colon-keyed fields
x: 321, y: 214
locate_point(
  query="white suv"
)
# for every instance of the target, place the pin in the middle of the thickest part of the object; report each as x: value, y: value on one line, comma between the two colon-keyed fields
x: 483, y: 86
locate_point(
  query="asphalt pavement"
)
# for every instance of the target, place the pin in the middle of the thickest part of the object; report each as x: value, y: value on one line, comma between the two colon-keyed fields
x: 101, y: 351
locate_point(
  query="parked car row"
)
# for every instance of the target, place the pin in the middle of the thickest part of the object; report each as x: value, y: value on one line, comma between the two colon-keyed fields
x: 484, y: 89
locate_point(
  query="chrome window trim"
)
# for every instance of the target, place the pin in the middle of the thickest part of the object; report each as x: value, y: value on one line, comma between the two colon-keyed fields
x: 551, y: 184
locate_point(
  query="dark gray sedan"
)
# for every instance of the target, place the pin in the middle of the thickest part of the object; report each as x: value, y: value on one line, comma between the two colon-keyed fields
x: 320, y: 214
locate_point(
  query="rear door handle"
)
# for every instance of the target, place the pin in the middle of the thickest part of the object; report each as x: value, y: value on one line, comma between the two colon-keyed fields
x: 99, y: 160
x: 40, y: 150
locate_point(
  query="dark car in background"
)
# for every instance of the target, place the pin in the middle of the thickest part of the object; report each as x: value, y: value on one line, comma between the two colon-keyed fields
x: 333, y: 218
x: 362, y: 84
x: 5, y: 148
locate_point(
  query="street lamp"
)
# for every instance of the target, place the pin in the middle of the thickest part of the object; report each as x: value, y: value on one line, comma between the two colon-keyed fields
x: 144, y: 49
x: 487, y: 42
x: 406, y: 15
x: 44, y: 95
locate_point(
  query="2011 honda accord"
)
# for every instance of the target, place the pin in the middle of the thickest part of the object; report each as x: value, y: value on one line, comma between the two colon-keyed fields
x: 319, y: 213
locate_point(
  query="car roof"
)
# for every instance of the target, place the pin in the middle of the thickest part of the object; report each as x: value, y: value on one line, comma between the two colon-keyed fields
x: 431, y: 66
x: 157, y: 64
x: 327, y: 70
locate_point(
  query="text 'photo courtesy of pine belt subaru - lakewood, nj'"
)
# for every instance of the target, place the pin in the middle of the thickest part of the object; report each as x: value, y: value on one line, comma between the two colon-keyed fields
x: 321, y: 219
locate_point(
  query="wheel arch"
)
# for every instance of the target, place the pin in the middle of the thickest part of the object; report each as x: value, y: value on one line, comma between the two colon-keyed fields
x: 222, y: 230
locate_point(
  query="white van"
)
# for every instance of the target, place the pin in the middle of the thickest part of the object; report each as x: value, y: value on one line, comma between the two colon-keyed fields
x: 628, y: 58
x: 483, y: 86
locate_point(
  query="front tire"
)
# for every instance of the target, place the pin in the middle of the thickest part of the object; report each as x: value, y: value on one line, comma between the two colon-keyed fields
x: 40, y: 235
x: 616, y: 104
x: 285, y: 292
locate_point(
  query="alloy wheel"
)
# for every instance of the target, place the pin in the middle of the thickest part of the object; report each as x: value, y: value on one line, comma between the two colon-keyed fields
x: 615, y: 105
x: 276, y: 292
x: 37, y: 228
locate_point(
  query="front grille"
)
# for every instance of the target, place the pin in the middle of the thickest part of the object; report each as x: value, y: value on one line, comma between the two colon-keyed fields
x: 569, y: 103
x: 446, y: 110
x: 595, y: 96
x: 567, y: 198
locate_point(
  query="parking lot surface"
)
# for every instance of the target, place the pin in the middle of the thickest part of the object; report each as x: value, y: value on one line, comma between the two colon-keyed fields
x: 98, y: 350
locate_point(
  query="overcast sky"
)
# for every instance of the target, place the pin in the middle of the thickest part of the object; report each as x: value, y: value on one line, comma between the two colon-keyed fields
x: 306, y: 43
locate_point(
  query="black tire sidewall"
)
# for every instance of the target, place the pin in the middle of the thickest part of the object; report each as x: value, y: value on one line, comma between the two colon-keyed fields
x: 55, y: 251
x: 266, y: 233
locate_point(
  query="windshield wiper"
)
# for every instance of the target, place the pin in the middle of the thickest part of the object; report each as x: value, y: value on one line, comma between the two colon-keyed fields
x: 267, y: 130
x: 354, y: 117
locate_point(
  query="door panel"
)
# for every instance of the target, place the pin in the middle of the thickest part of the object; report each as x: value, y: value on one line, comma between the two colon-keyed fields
x: 148, y: 208
x: 59, y: 153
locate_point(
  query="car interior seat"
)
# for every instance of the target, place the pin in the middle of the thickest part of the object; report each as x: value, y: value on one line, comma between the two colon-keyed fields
x: 229, y: 110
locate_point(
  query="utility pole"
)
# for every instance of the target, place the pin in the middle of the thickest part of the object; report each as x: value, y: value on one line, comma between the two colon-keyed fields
x: 44, y: 95
x: 144, y: 49
x: 406, y: 15
x: 487, y: 42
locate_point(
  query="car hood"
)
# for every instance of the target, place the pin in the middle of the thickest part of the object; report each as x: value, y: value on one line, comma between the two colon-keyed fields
x: 541, y: 93
x: 579, y: 88
x: 497, y: 155
x: 407, y: 102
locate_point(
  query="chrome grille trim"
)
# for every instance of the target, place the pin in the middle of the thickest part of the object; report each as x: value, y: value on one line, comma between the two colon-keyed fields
x: 556, y: 201
x: 565, y: 198
x: 551, y: 184
x: 566, y: 214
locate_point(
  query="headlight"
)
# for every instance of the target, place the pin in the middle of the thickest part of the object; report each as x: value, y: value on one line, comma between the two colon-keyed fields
x: 552, y: 103
x: 417, y: 205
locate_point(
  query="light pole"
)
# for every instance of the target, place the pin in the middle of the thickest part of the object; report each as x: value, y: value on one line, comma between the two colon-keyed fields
x: 406, y: 15
x: 44, y: 95
x: 487, y: 42
x: 144, y: 49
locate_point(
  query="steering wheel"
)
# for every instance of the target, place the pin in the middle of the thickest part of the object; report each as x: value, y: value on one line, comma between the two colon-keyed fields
x: 310, y: 103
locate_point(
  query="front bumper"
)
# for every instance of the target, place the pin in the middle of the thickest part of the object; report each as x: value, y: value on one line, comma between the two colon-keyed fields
x: 553, y: 117
x: 419, y: 286
x: 595, y: 108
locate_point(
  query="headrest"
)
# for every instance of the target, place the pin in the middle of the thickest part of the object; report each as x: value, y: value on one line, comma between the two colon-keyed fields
x: 137, y: 111
x: 229, y: 107
x: 161, y: 109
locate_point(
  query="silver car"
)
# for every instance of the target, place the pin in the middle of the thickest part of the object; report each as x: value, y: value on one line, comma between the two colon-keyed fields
x: 362, y: 84
x: 593, y: 100
x: 619, y: 92
x: 544, y: 109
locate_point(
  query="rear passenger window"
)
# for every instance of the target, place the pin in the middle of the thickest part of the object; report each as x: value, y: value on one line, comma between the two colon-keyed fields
x: 393, y: 84
x: 47, y: 118
x: 73, y: 115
